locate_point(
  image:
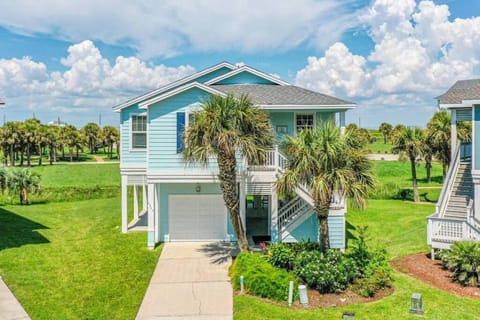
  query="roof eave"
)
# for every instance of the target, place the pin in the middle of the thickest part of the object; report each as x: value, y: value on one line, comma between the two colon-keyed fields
x: 171, y: 85
x: 306, y: 106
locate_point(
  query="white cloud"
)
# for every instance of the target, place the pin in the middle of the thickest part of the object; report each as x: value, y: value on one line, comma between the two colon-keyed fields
x: 165, y: 28
x: 89, y: 84
x: 418, y: 53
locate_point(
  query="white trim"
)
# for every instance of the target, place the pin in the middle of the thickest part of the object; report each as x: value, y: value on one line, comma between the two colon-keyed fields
x: 171, y: 85
x: 464, y: 104
x: 288, y: 107
x: 188, y: 86
x: 250, y: 70
x: 130, y: 132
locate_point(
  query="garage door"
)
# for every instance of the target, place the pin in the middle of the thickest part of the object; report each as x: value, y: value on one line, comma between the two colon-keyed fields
x: 197, y: 217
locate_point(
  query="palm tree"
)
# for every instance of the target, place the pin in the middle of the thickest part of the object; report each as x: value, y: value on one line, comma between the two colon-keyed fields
x: 223, y: 127
x: 11, y: 139
x: 110, y: 136
x: 322, y: 160
x: 52, y: 136
x: 439, y: 135
x: 23, y: 181
x: 386, y: 129
x: 410, y: 142
x: 31, y: 128
x: 92, y: 132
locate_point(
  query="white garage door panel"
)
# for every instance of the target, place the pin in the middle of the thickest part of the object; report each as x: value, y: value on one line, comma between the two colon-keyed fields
x: 197, y: 217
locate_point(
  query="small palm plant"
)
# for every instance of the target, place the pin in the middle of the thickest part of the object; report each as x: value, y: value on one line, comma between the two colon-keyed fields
x: 22, y: 182
x: 464, y: 261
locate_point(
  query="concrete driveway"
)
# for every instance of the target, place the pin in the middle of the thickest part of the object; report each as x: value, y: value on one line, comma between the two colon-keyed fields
x: 190, y: 282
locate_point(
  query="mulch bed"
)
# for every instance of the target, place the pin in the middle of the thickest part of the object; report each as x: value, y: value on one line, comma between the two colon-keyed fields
x: 421, y: 267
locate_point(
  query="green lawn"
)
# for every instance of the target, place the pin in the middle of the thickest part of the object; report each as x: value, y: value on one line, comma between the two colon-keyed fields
x: 69, y: 260
x: 85, y: 175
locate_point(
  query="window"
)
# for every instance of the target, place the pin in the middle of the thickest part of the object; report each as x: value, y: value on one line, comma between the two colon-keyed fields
x: 139, y: 132
x: 304, y: 121
x: 184, y: 119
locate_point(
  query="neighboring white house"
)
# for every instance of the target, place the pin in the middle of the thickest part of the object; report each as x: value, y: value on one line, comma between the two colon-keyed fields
x: 184, y: 202
x: 457, y: 215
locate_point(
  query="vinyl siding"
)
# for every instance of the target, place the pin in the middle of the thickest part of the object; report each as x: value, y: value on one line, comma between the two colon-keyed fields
x: 476, y: 138
x: 213, y: 75
x: 163, y: 131
x: 308, y: 231
x: 282, y: 119
x: 245, y: 78
x: 129, y: 157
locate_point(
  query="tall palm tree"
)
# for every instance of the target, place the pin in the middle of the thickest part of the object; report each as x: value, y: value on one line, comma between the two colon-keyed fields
x: 410, y: 142
x: 52, y: 137
x: 31, y: 128
x: 386, y: 129
x: 11, y: 139
x: 224, y: 127
x: 439, y: 135
x: 110, y: 136
x: 330, y: 167
x: 92, y: 132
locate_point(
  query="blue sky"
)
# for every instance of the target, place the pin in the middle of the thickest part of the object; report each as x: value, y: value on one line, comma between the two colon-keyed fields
x: 77, y: 59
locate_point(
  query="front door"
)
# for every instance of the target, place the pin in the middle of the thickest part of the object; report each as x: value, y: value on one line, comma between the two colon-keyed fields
x: 258, y: 218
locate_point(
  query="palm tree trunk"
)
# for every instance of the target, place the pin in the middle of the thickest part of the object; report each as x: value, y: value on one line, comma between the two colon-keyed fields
x: 322, y: 216
x: 70, y: 151
x: 23, y: 196
x: 29, y: 156
x: 12, y: 156
x: 384, y: 139
x: 41, y: 155
x: 428, y: 167
x: 21, y: 157
x: 416, y: 197
x: 444, y: 171
x: 228, y: 183
x: 50, y: 157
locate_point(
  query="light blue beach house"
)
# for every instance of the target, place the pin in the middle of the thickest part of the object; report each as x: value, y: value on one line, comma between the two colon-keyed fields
x: 457, y: 215
x: 183, y: 202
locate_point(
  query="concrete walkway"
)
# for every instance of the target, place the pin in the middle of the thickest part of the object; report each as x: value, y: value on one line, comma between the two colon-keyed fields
x: 10, y: 308
x: 190, y: 282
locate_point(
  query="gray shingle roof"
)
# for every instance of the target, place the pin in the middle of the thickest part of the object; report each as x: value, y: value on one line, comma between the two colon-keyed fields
x: 263, y: 94
x: 461, y: 90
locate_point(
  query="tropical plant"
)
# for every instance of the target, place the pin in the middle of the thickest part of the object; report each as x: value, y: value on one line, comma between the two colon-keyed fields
x: 385, y: 128
x: 439, y: 138
x: 110, y: 135
x: 464, y: 261
x: 92, y: 131
x: 23, y: 182
x: 30, y: 131
x: 222, y: 128
x: 322, y: 160
x: 409, y: 141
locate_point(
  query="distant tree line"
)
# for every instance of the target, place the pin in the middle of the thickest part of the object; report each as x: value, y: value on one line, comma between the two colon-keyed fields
x: 20, y: 141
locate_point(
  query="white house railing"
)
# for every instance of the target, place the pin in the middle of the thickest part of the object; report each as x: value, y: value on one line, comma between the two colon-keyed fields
x: 292, y: 210
x: 448, y: 185
x: 450, y: 230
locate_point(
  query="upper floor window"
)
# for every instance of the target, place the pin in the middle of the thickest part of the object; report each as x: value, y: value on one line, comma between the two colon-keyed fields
x: 304, y: 121
x: 139, y: 132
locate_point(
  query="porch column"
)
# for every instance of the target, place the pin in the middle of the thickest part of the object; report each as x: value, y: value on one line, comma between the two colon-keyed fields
x: 453, y: 134
x: 476, y: 196
x: 144, y: 197
x: 151, y: 216
x: 156, y: 201
x: 135, y: 202
x: 124, y: 204
x: 342, y: 122
x: 274, y: 217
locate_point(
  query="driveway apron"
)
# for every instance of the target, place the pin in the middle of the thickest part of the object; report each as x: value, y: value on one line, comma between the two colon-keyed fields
x: 190, y: 281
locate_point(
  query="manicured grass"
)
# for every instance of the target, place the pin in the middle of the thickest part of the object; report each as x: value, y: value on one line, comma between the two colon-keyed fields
x: 85, y: 175
x: 69, y: 260
x: 399, y: 173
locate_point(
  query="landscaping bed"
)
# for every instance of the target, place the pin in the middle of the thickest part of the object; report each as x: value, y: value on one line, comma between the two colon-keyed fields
x: 421, y: 267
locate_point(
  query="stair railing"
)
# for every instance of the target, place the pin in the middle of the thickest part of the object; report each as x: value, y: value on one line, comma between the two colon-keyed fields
x: 291, y: 211
x: 448, y: 183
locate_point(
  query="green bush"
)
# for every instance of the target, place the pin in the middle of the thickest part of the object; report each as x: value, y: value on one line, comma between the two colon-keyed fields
x: 302, y: 246
x: 373, y: 266
x: 261, y: 278
x: 332, y: 273
x: 281, y: 256
x: 306, y: 257
x: 464, y: 261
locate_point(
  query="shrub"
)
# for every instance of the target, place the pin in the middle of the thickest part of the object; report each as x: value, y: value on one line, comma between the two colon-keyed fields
x: 332, y: 273
x: 464, y: 261
x: 261, y: 278
x: 281, y: 256
x: 302, y: 246
x: 306, y: 257
x: 376, y: 275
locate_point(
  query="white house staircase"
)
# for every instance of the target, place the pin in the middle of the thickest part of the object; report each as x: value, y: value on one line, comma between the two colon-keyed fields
x: 454, y: 218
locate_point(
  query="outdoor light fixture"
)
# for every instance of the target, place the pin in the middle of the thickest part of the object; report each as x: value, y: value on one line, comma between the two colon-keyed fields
x: 198, y: 187
x: 416, y: 306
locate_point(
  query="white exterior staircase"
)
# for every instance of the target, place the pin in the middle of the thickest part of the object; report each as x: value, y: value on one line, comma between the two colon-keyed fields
x: 454, y: 218
x: 301, y: 207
